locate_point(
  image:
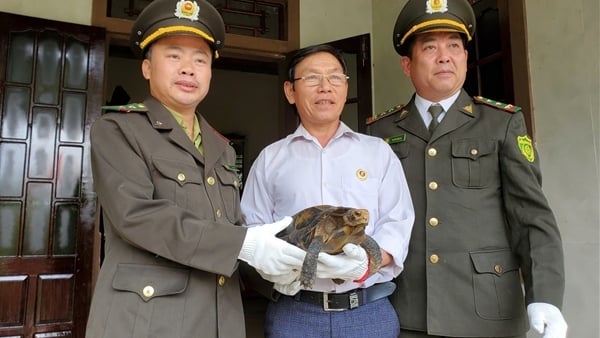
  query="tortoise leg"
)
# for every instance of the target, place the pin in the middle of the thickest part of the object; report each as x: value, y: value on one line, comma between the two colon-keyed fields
x: 309, y: 267
x: 374, y: 253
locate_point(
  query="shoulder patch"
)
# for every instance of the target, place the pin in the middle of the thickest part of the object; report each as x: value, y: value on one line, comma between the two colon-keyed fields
x: 386, y: 113
x: 503, y: 106
x: 132, y: 107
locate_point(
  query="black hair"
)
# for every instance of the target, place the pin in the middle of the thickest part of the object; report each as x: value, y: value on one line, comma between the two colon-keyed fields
x: 301, y: 54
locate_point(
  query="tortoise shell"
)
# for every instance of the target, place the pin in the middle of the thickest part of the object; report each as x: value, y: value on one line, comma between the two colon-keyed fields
x: 326, y: 228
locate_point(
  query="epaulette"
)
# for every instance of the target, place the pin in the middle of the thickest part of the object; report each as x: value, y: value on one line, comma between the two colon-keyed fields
x: 132, y: 107
x: 504, y: 106
x: 386, y: 113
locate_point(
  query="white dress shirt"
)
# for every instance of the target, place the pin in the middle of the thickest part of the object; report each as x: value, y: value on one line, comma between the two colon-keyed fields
x: 353, y: 170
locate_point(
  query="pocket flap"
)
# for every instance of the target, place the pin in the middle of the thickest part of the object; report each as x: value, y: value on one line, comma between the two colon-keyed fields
x: 227, y: 176
x: 494, y: 261
x: 178, y: 171
x: 473, y: 148
x: 150, y: 281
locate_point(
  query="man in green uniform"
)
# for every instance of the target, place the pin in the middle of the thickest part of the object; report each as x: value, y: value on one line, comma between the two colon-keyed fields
x: 483, y: 231
x: 169, y: 193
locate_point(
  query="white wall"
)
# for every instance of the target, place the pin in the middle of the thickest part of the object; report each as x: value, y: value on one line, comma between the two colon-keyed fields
x: 73, y: 11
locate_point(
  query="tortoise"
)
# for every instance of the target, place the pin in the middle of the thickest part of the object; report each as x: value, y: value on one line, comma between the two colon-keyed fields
x: 326, y: 228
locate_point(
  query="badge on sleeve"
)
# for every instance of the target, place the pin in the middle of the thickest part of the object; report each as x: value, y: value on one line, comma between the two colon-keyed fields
x: 526, y: 147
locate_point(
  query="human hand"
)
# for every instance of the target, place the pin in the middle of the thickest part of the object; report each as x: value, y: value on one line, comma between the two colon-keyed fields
x: 289, y: 289
x: 352, y: 264
x: 265, y: 252
x: 547, y: 319
x: 283, y: 279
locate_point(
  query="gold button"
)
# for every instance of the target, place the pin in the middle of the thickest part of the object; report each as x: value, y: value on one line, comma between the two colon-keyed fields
x: 433, y: 221
x: 433, y: 185
x: 210, y: 180
x: 181, y: 177
x: 474, y: 152
x: 236, y: 183
x: 148, y: 291
x: 218, y: 213
x: 434, y: 259
x: 498, y: 268
x: 432, y: 152
x: 222, y: 280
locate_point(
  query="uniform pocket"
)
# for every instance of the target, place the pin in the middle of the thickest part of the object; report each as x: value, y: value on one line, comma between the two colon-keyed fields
x: 400, y: 149
x: 230, y: 192
x: 176, y: 180
x: 497, y: 284
x: 150, y: 281
x: 474, y: 163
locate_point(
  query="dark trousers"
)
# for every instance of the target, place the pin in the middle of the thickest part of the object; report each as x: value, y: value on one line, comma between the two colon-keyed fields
x: 289, y: 318
x: 419, y: 334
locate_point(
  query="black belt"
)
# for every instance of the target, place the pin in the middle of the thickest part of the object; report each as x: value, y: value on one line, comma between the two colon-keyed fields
x: 347, y: 300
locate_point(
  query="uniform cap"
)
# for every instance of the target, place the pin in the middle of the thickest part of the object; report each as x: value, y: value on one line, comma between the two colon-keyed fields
x: 167, y: 17
x: 419, y: 16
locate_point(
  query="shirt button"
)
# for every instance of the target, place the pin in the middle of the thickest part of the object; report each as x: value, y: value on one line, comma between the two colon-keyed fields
x: 181, y: 177
x: 433, y: 185
x: 432, y: 152
x: 210, y: 180
x: 222, y: 280
x: 434, y: 259
x: 433, y: 221
x: 218, y: 213
x: 148, y: 291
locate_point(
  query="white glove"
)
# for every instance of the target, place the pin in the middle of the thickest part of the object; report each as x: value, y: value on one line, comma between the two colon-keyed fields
x: 283, y: 279
x: 546, y: 319
x: 350, y: 265
x: 269, y: 254
x: 288, y: 289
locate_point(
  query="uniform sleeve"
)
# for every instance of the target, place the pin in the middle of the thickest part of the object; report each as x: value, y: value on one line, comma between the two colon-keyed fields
x: 127, y: 193
x: 396, y: 212
x: 534, y: 233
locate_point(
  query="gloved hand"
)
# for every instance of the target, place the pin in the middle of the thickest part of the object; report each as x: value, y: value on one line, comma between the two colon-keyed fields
x: 288, y: 289
x: 546, y: 319
x: 350, y: 265
x: 283, y: 279
x: 269, y: 254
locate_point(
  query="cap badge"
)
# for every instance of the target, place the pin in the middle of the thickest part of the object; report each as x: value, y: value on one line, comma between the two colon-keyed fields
x: 436, y: 6
x: 187, y: 10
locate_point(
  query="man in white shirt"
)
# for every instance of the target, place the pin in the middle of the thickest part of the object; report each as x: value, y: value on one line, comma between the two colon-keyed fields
x: 325, y: 162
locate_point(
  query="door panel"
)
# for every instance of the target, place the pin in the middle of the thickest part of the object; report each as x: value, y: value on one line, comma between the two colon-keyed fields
x: 51, y: 80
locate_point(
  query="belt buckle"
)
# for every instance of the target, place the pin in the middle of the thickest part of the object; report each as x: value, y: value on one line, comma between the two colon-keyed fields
x: 353, y: 302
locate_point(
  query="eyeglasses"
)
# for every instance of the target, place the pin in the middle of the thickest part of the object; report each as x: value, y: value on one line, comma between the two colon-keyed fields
x: 312, y: 80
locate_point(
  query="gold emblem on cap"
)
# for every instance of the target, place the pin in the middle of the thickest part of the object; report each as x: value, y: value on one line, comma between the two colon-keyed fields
x: 436, y: 6
x: 187, y: 10
x: 361, y: 174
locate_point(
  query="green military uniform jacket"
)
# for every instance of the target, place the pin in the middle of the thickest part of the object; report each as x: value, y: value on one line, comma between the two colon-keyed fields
x: 170, y: 215
x: 481, y: 222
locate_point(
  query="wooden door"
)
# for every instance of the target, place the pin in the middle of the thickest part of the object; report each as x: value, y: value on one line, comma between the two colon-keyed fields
x: 51, y: 76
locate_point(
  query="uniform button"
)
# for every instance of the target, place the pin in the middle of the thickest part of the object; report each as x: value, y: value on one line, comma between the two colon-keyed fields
x: 434, y: 259
x: 432, y: 152
x: 498, y: 268
x: 433, y: 221
x: 181, y: 177
x: 433, y: 185
x: 222, y: 280
x: 148, y: 291
x: 236, y: 184
x: 218, y: 213
x: 210, y: 180
x: 474, y: 152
